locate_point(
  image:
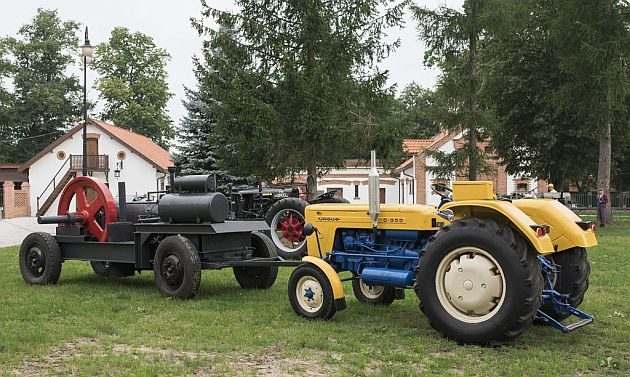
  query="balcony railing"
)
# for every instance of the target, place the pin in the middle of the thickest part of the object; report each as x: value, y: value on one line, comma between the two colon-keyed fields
x: 97, y: 162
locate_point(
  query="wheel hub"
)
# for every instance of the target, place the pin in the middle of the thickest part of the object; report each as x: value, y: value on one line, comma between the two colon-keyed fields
x: 35, y: 260
x: 172, y: 271
x: 309, y: 294
x: 292, y: 228
x: 470, y: 284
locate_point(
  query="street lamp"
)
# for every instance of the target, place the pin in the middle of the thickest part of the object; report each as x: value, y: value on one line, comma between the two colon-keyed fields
x: 86, y: 53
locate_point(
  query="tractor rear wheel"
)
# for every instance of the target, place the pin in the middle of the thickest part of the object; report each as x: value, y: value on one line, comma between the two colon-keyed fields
x: 478, y: 282
x: 40, y: 259
x: 310, y: 293
x: 373, y: 294
x: 258, y: 277
x: 177, y: 268
x: 572, y: 278
x: 286, y: 220
x: 113, y: 269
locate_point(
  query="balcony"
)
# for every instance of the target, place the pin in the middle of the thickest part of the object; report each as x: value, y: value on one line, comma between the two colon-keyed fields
x: 97, y: 162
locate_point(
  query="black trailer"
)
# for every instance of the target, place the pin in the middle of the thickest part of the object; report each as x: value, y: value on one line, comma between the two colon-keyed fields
x: 176, y: 236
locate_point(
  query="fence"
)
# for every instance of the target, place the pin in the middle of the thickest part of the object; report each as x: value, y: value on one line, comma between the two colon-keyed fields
x: 589, y: 199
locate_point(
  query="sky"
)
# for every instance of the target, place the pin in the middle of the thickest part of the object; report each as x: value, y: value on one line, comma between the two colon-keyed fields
x: 168, y: 22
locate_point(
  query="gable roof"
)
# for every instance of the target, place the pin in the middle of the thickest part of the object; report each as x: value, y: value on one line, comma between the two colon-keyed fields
x: 138, y: 144
x: 413, y: 146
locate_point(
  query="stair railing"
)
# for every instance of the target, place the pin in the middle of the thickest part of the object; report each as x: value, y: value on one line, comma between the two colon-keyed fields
x: 52, y: 182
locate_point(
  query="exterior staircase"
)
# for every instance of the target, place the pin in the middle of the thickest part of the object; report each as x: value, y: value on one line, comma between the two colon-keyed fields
x: 57, y: 189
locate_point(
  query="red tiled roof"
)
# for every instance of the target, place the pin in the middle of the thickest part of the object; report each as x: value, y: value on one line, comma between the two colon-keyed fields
x: 139, y: 144
x: 413, y: 146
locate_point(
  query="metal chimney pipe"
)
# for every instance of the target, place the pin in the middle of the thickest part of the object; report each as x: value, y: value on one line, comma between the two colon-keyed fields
x: 373, y: 192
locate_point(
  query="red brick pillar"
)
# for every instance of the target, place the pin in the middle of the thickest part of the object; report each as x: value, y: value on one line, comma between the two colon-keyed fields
x: 421, y: 179
x: 26, y: 188
x: 9, y: 197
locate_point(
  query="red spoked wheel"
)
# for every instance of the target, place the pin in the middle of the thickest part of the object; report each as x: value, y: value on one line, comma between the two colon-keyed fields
x: 292, y: 227
x: 94, y: 202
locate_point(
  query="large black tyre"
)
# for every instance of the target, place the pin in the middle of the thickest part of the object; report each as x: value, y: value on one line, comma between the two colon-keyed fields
x: 258, y: 277
x: 40, y: 259
x: 373, y: 294
x: 286, y: 220
x: 572, y: 279
x: 177, y: 268
x: 113, y: 269
x: 478, y: 282
x: 310, y: 293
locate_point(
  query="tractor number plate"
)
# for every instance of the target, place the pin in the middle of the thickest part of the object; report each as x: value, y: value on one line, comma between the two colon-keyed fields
x: 392, y: 220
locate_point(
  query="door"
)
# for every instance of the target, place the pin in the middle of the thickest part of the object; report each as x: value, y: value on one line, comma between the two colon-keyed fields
x: 92, y: 153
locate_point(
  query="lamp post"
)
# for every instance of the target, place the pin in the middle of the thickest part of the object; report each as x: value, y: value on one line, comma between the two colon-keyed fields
x: 86, y: 54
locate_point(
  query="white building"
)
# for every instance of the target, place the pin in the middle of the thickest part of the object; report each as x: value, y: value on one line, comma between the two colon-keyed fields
x: 113, y: 154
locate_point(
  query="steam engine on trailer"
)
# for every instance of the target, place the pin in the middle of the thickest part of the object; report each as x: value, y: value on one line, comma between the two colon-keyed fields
x: 176, y: 236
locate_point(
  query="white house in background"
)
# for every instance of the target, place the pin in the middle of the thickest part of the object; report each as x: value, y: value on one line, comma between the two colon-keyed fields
x: 113, y: 154
x: 351, y: 182
x: 416, y: 179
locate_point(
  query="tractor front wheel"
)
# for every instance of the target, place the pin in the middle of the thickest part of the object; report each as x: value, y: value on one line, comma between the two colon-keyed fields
x: 310, y: 293
x: 572, y: 279
x: 258, y: 277
x: 478, y: 282
x: 373, y: 294
x: 177, y: 268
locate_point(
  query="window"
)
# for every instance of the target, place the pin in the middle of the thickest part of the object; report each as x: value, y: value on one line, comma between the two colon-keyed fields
x: 381, y: 192
x: 61, y: 155
x: 487, y: 149
x: 411, y: 188
x: 356, y: 191
x: 522, y: 187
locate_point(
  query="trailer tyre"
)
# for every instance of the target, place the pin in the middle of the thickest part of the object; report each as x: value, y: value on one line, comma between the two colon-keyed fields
x: 310, y: 293
x: 113, y: 269
x: 286, y: 220
x: 177, y: 268
x: 572, y: 279
x: 478, y: 282
x: 40, y: 259
x: 258, y: 277
x: 373, y: 294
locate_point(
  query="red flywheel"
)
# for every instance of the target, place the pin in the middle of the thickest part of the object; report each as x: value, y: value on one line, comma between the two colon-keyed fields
x: 94, y: 202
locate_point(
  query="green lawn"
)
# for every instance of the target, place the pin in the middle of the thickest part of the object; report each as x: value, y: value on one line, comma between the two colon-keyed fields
x: 88, y: 325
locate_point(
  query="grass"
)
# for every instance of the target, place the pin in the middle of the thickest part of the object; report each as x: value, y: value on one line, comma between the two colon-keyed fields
x: 88, y: 325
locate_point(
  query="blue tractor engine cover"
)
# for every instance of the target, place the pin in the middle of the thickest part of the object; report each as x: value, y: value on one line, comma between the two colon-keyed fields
x: 384, y: 257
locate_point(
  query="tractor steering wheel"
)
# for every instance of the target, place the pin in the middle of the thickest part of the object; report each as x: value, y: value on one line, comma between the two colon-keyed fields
x: 439, y: 188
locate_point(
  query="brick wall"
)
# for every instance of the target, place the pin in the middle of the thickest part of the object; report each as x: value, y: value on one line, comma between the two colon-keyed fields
x: 421, y: 179
x: 16, y: 202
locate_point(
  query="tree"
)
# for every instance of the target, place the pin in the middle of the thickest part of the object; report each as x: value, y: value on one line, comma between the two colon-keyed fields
x: 593, y: 42
x: 290, y: 81
x: 133, y: 84
x: 6, y: 105
x: 452, y: 38
x: 523, y: 79
x: 413, y: 112
x: 195, y: 135
x: 46, y: 100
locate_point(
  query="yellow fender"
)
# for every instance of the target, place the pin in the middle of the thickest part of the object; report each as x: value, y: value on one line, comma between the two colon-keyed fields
x: 331, y: 274
x: 506, y: 213
x: 564, y: 232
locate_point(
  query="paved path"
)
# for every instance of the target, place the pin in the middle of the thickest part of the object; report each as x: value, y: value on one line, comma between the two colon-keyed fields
x: 13, y: 231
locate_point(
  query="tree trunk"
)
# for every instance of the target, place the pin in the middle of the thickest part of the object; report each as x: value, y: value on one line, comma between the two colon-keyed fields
x: 472, y: 103
x: 311, y: 177
x: 603, y: 169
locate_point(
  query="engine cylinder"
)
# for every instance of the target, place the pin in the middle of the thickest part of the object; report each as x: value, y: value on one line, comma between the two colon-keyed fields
x: 193, y: 208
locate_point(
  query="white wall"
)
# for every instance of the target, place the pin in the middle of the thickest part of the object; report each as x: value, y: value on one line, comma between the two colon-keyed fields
x: 139, y: 175
x: 350, y: 176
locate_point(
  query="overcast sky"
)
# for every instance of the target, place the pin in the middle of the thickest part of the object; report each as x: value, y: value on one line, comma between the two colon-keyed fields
x: 168, y: 22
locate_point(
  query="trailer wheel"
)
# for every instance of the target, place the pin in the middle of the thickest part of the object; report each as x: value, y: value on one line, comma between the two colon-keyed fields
x: 40, y: 259
x: 310, y: 293
x: 286, y: 220
x: 258, y: 277
x: 373, y: 294
x: 177, y: 268
x: 572, y: 278
x: 478, y: 283
x: 113, y: 269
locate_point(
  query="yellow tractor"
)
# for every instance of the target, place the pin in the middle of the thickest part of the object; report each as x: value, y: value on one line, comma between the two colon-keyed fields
x: 483, y: 269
